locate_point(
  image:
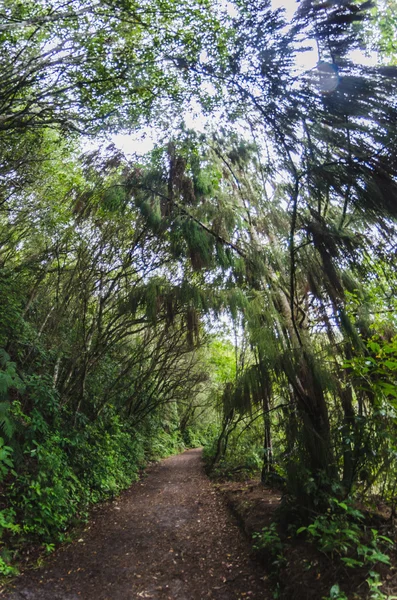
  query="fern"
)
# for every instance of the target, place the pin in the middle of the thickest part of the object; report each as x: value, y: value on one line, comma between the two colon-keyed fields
x: 6, y: 424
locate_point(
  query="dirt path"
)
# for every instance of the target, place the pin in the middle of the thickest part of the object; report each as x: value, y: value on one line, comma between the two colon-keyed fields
x: 168, y: 537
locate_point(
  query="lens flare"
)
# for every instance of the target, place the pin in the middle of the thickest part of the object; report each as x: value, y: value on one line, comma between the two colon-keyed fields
x: 326, y: 77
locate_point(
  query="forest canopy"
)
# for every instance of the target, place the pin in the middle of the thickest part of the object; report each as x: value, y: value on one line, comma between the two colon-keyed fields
x: 275, y: 221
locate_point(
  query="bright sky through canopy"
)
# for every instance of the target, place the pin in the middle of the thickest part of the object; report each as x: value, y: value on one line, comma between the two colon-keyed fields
x: 143, y: 141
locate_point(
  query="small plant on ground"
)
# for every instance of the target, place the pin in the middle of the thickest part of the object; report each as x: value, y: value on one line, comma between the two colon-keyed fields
x: 335, y: 593
x: 341, y: 533
x: 269, y: 540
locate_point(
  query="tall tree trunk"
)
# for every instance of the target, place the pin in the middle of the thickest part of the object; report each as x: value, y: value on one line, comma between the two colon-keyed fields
x: 310, y: 400
x: 221, y: 444
x: 267, y: 468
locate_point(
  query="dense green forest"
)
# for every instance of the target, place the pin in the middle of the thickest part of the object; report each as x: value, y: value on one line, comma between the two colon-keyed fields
x: 234, y: 287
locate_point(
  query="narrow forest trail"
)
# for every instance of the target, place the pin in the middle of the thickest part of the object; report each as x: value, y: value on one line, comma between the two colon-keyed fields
x: 169, y: 537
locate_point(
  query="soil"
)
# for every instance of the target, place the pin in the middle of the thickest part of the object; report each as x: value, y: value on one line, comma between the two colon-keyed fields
x: 305, y: 573
x: 251, y: 503
x: 169, y: 537
x: 177, y: 536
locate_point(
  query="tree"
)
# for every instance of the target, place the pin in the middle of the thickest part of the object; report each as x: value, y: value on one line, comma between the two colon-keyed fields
x: 110, y: 266
x: 294, y: 292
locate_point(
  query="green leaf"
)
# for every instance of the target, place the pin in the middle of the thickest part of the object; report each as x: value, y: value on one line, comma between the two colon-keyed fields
x: 301, y: 529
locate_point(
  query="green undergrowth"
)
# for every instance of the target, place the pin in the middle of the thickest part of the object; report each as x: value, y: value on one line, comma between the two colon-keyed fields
x: 243, y: 457
x: 53, y: 475
x: 352, y: 554
x: 335, y: 548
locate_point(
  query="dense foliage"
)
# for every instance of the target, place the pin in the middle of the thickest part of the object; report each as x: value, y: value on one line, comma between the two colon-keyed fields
x: 97, y: 374
x: 279, y: 223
